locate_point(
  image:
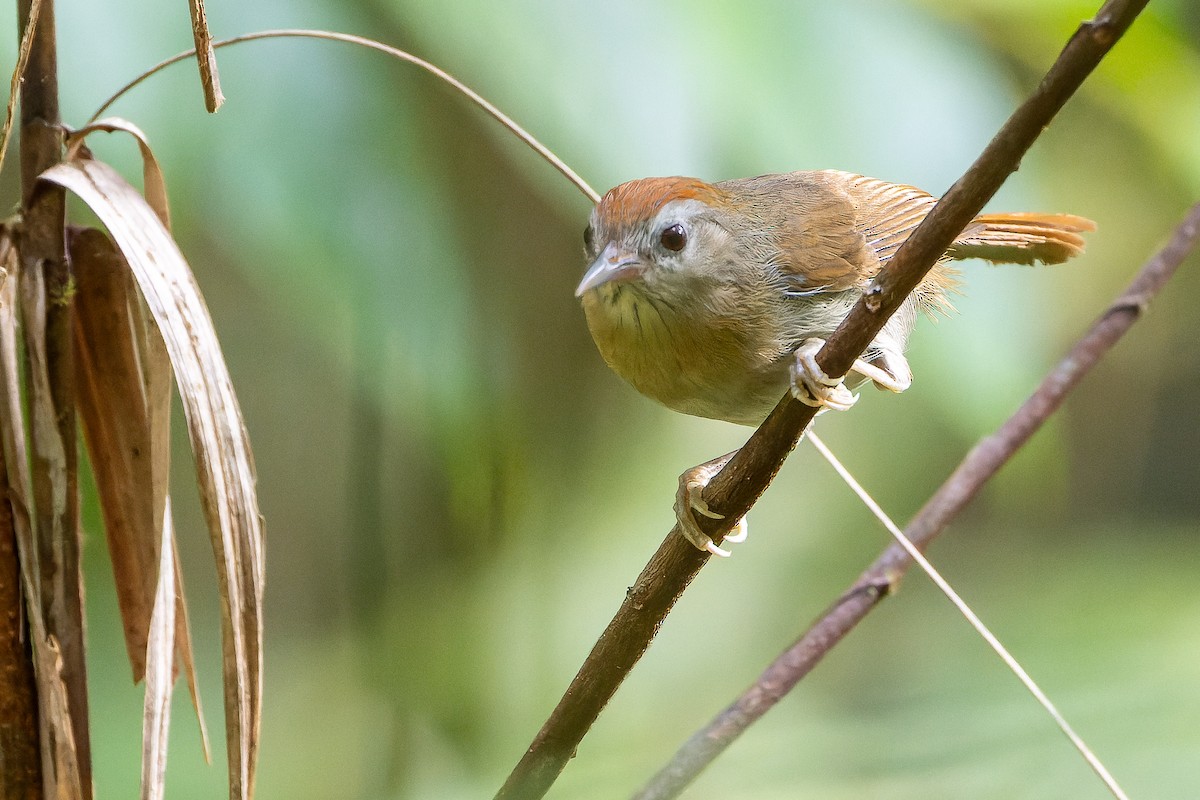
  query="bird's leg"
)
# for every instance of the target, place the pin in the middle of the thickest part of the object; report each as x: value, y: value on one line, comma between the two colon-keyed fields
x: 689, y: 502
x: 811, y: 386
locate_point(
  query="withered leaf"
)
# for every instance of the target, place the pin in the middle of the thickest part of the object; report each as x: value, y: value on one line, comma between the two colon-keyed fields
x: 224, y: 464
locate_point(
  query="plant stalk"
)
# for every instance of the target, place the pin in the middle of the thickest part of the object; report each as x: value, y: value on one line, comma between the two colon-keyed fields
x: 42, y: 251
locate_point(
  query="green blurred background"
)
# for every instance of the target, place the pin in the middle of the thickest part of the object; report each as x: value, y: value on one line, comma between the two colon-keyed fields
x: 457, y: 491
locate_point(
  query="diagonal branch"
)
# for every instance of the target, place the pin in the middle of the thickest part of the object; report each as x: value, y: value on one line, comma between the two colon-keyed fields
x: 735, y: 489
x: 984, y: 461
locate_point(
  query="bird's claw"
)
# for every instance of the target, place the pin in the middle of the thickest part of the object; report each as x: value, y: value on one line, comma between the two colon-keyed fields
x: 689, y: 501
x: 810, y: 384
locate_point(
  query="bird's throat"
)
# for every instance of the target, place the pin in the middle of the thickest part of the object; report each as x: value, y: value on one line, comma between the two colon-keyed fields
x: 688, y: 361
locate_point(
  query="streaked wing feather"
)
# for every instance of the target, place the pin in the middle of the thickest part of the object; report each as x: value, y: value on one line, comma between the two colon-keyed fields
x: 887, y: 212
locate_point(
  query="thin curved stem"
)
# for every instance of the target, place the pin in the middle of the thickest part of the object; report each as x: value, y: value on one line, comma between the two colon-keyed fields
x: 298, y: 33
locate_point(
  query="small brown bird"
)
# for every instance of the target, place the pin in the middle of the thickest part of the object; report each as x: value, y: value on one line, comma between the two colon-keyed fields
x: 713, y: 298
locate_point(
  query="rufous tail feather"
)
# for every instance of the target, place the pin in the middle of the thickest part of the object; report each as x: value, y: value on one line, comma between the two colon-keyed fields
x: 1022, y: 238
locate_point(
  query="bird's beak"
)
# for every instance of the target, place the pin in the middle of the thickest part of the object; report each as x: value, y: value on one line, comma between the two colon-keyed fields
x: 613, y: 264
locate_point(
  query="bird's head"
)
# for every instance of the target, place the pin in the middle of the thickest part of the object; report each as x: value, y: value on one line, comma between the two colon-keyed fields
x: 657, y: 236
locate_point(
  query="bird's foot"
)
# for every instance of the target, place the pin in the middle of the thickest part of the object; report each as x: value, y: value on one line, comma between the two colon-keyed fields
x: 689, y: 501
x: 810, y: 384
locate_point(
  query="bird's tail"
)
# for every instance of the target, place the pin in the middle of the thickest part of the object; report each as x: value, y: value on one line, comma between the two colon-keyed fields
x: 1022, y: 238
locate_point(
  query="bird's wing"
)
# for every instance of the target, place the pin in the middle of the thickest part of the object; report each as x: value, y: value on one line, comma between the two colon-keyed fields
x: 886, y: 213
x: 832, y: 230
x: 807, y: 229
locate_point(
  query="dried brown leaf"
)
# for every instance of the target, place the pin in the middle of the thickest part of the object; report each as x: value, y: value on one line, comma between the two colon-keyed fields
x: 120, y: 423
x: 154, y: 184
x: 156, y: 713
x: 123, y: 375
x: 58, y: 745
x: 224, y: 463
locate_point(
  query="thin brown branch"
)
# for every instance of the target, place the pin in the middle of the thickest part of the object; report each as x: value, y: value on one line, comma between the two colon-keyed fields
x: 984, y: 461
x: 206, y: 57
x: 736, y: 488
x: 46, y: 272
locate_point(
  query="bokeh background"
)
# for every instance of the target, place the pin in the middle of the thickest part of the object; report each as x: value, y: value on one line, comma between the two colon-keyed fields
x: 457, y: 491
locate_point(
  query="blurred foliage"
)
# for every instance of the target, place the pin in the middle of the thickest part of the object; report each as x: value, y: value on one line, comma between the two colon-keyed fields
x: 457, y: 491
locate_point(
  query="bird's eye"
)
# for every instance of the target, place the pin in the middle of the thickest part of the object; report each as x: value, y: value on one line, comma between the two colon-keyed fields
x: 673, y: 237
x: 589, y: 238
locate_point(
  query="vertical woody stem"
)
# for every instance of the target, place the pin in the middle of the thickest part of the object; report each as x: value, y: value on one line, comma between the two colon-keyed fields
x: 54, y: 458
x: 20, y: 769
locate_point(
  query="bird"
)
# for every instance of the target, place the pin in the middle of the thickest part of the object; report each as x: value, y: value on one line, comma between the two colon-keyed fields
x: 713, y: 298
